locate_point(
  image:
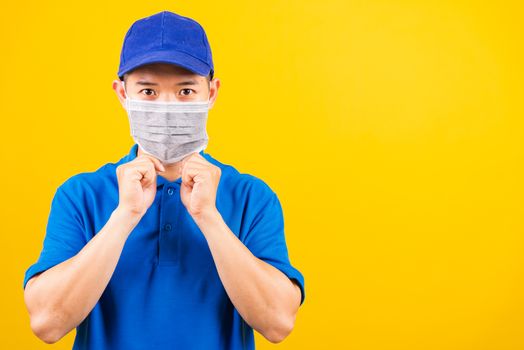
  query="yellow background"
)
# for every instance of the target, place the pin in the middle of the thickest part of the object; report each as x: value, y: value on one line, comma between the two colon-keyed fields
x: 392, y: 132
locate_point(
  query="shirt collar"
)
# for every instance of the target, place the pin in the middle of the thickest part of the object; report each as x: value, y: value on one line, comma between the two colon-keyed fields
x: 160, y: 180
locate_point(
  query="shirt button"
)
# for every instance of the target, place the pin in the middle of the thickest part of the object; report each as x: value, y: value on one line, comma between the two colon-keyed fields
x: 167, y: 227
x: 170, y: 191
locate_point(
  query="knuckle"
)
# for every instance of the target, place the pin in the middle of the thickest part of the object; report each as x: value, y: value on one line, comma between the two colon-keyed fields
x: 120, y: 169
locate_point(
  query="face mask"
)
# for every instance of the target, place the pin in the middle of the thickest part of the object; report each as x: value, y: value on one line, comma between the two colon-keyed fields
x: 168, y: 131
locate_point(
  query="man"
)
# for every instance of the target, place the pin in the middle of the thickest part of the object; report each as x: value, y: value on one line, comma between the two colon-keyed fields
x: 168, y: 248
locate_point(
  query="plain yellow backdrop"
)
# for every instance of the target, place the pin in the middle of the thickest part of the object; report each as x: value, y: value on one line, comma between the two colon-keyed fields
x: 392, y: 132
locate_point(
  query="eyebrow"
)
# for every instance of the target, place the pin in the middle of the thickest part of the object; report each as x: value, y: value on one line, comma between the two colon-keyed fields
x: 187, y: 82
x: 149, y: 83
x: 146, y: 83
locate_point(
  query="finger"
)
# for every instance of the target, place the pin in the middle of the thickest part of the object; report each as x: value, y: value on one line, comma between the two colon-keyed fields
x: 191, y: 171
x: 183, y: 163
x: 198, y: 157
x: 187, y: 177
x: 195, y: 160
x: 143, y: 172
x: 188, y: 158
x: 149, y: 176
x: 157, y: 163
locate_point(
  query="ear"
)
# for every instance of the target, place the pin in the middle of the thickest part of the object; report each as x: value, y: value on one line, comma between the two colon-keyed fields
x: 119, y: 90
x: 214, y: 85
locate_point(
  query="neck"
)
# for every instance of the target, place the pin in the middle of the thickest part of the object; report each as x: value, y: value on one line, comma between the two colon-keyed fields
x: 173, y: 170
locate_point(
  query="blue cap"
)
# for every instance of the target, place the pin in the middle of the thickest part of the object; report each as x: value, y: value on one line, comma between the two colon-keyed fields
x: 168, y: 38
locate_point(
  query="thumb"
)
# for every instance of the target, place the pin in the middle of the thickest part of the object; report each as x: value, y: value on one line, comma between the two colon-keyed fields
x: 182, y: 165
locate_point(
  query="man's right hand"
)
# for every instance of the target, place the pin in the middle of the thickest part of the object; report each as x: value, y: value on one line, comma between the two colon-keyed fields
x: 137, y: 184
x: 60, y: 298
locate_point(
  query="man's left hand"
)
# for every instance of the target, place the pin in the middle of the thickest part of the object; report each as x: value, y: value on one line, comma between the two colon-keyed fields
x: 199, y: 185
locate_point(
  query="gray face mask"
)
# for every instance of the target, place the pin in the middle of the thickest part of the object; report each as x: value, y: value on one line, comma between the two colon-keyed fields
x: 168, y: 131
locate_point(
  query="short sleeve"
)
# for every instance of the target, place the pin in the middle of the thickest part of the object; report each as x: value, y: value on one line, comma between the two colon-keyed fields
x: 265, y: 237
x: 64, y: 236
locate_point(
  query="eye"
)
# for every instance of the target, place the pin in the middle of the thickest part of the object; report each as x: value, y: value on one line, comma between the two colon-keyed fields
x: 148, y: 92
x: 186, y: 92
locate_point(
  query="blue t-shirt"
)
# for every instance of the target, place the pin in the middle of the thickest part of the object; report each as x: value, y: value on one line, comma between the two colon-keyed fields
x: 165, y: 292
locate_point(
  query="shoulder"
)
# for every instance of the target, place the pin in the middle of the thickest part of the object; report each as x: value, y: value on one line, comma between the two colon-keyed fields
x: 240, y: 184
x: 245, y: 200
x: 99, y: 180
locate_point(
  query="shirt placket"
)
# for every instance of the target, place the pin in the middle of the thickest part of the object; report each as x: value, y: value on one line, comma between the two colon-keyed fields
x: 169, y: 240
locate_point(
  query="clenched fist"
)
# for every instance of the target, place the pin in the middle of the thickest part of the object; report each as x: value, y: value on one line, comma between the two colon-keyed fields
x: 199, y: 186
x: 137, y: 184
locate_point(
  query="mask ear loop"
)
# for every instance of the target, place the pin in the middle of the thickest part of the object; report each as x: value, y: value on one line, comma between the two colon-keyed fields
x: 209, y: 96
x: 125, y: 92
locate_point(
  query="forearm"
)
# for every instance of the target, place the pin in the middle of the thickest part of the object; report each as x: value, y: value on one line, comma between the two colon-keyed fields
x: 60, y: 298
x: 265, y: 297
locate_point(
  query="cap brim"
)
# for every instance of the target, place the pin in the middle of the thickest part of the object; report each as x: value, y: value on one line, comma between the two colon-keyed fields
x: 178, y: 58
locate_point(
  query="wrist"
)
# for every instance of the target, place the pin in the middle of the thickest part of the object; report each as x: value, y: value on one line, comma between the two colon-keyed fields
x: 125, y: 217
x: 207, y: 217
